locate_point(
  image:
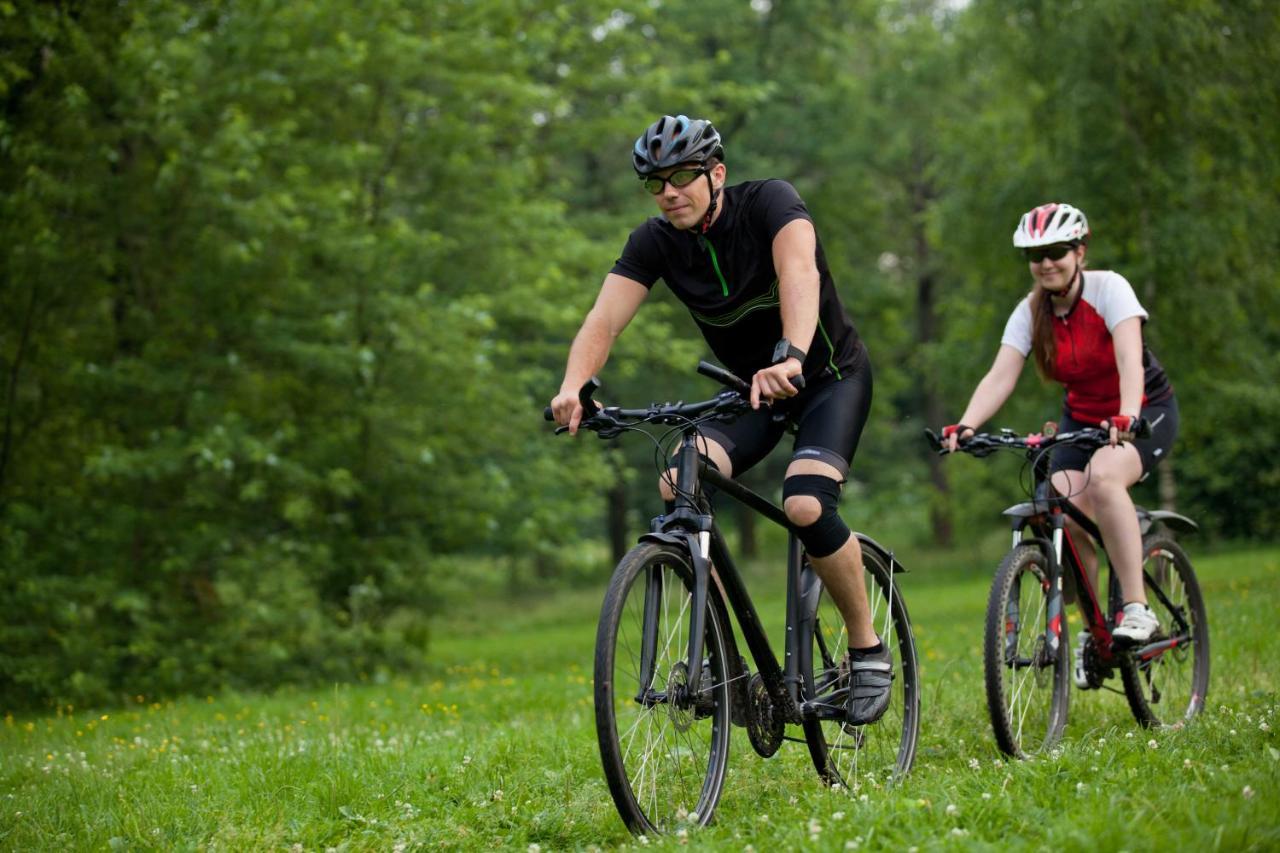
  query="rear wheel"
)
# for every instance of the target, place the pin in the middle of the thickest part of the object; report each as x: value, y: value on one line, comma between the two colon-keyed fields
x: 1027, y: 686
x: 879, y: 753
x: 663, y: 741
x: 1167, y: 678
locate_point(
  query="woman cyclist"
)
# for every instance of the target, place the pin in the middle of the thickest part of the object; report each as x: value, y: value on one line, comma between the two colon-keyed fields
x: 1084, y: 330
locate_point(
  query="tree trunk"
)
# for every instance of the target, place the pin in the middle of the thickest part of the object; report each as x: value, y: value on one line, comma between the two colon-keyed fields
x: 927, y: 333
x: 616, y: 506
x: 1167, y: 485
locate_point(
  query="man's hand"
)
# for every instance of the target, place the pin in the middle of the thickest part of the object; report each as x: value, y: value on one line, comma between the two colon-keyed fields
x: 774, y: 382
x: 568, y: 410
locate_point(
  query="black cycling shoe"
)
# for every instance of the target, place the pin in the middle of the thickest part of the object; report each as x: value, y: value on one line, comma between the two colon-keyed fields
x: 870, y: 679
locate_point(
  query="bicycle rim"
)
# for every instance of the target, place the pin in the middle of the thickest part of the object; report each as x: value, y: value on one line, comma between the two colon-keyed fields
x: 875, y: 755
x: 1166, y: 684
x: 1027, y: 687
x: 664, y: 759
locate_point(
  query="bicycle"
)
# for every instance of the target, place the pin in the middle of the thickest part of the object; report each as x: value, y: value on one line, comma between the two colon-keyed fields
x: 669, y: 679
x: 1025, y: 650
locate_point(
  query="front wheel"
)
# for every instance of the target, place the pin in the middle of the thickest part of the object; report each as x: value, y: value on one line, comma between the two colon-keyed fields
x: 664, y: 741
x: 1166, y: 679
x: 1026, y: 681
x: 879, y: 753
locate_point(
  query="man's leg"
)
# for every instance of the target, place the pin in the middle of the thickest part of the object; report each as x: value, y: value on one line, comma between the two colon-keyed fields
x: 812, y: 493
x: 841, y: 569
x: 709, y: 448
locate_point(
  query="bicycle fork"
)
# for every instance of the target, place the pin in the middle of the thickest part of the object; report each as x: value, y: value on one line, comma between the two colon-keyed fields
x: 1052, y: 549
x: 698, y: 546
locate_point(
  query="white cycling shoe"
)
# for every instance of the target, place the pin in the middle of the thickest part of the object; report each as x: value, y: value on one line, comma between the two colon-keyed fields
x: 1137, y: 624
x: 1077, y: 654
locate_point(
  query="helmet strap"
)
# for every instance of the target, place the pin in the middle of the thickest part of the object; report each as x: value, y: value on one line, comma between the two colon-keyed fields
x: 711, y: 208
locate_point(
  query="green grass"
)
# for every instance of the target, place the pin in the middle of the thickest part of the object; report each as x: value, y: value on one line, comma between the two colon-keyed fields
x: 496, y: 749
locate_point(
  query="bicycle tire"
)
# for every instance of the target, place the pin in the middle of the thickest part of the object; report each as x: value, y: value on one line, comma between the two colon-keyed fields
x: 664, y: 761
x: 1028, y: 691
x: 1168, y: 688
x: 880, y: 753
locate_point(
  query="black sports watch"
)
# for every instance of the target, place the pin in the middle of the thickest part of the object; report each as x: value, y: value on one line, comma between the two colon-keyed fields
x: 784, y: 350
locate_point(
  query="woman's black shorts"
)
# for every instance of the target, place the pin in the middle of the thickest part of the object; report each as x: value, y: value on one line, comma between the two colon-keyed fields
x: 1162, y: 416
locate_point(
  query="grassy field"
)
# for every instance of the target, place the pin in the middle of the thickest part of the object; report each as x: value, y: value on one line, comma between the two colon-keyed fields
x: 496, y: 749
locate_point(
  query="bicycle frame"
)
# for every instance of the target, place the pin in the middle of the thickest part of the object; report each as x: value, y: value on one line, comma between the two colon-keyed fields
x: 1048, y: 514
x: 688, y: 526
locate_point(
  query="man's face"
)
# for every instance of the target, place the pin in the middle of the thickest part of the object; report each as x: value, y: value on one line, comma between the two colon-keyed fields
x: 685, y: 206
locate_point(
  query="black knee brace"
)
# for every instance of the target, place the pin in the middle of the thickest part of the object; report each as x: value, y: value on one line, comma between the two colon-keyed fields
x: 829, y: 533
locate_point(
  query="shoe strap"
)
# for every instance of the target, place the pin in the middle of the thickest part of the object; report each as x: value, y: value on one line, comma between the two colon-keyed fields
x: 870, y: 666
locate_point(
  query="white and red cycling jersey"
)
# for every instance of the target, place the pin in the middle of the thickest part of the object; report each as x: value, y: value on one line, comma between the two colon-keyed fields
x: 1085, y: 357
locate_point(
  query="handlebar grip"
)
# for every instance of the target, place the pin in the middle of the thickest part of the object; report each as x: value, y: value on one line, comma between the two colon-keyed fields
x: 724, y: 377
x: 590, y: 387
x: 548, y: 415
x: 797, y: 381
x: 934, y: 441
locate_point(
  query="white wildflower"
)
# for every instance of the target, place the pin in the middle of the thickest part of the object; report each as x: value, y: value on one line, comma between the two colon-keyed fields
x: 952, y: 809
x: 1247, y: 793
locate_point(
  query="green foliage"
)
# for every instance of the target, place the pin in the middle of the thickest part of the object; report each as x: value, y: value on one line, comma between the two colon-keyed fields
x: 283, y: 287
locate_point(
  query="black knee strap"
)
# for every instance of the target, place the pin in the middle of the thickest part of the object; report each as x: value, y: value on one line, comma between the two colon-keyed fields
x: 829, y: 533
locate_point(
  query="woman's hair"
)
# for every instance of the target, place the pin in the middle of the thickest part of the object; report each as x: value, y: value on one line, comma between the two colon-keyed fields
x: 1043, y: 349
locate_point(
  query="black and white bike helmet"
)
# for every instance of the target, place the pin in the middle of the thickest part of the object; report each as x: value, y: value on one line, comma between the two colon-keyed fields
x: 1049, y: 224
x: 672, y: 140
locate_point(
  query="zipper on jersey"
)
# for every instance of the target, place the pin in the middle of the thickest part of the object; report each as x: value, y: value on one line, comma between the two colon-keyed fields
x: 715, y: 263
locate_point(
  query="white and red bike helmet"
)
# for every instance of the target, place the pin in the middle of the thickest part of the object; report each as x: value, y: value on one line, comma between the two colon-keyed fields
x: 1049, y: 224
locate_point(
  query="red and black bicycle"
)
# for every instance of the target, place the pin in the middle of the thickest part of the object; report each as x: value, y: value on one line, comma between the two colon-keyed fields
x: 1026, y: 655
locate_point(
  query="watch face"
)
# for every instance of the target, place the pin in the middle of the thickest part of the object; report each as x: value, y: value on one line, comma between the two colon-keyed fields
x: 780, y: 351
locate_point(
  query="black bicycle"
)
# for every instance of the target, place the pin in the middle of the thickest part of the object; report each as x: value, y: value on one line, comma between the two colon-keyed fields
x: 1025, y: 654
x: 669, y: 680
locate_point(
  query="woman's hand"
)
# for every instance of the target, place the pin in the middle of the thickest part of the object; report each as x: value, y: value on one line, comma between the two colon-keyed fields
x: 952, y: 434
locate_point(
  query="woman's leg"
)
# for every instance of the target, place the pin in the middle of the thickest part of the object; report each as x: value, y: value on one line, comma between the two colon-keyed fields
x: 1111, y: 471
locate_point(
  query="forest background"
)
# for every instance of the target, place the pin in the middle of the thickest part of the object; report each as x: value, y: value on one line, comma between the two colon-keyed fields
x: 284, y: 288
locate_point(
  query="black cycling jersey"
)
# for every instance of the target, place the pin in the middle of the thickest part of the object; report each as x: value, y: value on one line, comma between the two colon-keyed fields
x: 727, y: 281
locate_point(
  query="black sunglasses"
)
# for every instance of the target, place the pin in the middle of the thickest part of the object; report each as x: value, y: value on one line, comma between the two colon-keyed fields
x: 1053, y: 253
x: 681, y: 178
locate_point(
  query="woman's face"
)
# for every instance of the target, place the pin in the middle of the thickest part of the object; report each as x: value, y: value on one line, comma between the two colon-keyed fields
x: 1055, y: 274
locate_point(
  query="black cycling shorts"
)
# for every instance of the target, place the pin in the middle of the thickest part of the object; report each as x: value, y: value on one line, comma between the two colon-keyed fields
x: 829, y: 419
x: 1162, y: 416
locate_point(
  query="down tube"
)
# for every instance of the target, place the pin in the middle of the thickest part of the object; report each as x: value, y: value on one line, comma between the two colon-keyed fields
x: 748, y: 619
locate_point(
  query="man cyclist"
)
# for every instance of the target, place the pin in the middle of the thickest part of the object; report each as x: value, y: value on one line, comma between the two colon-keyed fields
x: 747, y: 263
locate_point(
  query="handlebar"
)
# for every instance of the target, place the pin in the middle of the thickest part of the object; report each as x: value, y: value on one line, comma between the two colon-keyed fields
x: 984, y: 444
x: 609, y: 421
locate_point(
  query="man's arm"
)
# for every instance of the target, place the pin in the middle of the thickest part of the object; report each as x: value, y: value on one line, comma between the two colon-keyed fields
x: 795, y: 249
x: 618, y: 301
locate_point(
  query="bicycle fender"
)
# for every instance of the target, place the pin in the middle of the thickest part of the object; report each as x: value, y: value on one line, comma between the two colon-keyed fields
x: 1026, y: 509
x: 1149, y: 518
x: 676, y: 539
x: 885, y: 554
